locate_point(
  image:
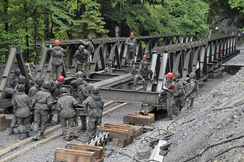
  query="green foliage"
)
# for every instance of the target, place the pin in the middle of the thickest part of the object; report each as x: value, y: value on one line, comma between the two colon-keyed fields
x: 239, y: 4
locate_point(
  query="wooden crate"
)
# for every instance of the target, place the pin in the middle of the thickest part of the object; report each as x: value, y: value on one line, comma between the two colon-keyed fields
x: 137, y: 119
x: 69, y: 155
x: 98, y: 151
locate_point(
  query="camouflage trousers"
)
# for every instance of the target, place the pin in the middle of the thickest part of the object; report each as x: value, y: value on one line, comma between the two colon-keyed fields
x: 14, y: 121
x: 57, y: 71
x: 67, y: 128
x: 40, y: 118
x: 83, y: 122
x: 24, y: 124
x: 84, y: 67
x: 92, y: 126
x: 189, y: 104
x: 144, y: 83
x: 177, y: 104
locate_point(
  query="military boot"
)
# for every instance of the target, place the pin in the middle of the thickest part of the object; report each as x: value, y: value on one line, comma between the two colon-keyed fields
x: 35, y: 138
x: 27, y: 134
x: 42, y: 135
x: 11, y: 130
x: 22, y: 136
x: 68, y: 138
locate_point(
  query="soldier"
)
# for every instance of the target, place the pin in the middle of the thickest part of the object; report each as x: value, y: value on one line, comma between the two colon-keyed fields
x: 143, y: 75
x: 82, y: 95
x: 21, y: 104
x: 79, y: 74
x: 13, y: 81
x: 131, y: 68
x: 82, y: 57
x: 143, y: 61
x: 66, y: 105
x: 179, y: 95
x: 89, y: 45
x: 169, y: 87
x: 74, y: 89
x: 42, y: 103
x: 109, y: 70
x: 94, y: 103
x: 191, y: 91
x: 32, y: 93
x: 89, y: 88
x: 131, y: 47
x: 57, y: 62
x: 21, y: 81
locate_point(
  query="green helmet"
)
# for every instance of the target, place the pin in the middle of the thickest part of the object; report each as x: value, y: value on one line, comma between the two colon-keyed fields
x: 79, y: 81
x: 39, y: 81
x: 95, y: 90
x: 21, y: 79
x: 192, y: 75
x: 17, y: 72
x: 79, y: 74
x: 73, y: 83
x: 63, y: 90
x: 46, y: 85
x: 21, y: 88
x: 177, y: 75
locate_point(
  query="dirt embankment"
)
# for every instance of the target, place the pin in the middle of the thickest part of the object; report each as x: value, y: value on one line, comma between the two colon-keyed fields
x: 213, y: 131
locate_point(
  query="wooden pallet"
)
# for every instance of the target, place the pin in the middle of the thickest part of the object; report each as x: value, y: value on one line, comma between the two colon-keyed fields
x: 2, y: 122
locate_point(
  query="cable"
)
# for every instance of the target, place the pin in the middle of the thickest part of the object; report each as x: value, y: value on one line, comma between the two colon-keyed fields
x: 127, y: 155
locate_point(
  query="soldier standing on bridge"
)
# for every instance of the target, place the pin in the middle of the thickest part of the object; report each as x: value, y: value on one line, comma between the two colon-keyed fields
x: 66, y: 105
x: 170, y: 89
x: 57, y: 62
x: 179, y: 95
x: 191, y: 91
x: 82, y: 95
x: 94, y: 104
x: 42, y: 103
x: 21, y: 105
x: 144, y: 75
x: 89, y: 45
x: 131, y: 47
x: 82, y: 57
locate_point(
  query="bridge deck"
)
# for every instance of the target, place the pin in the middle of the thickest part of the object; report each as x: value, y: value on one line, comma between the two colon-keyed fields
x: 237, y: 60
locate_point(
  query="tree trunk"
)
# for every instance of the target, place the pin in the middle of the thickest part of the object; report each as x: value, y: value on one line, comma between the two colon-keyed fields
x: 46, y: 22
x: 26, y: 36
x: 6, y: 24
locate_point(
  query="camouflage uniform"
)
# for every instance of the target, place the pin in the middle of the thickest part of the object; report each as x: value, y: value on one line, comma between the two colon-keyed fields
x: 143, y: 75
x: 179, y: 97
x: 42, y: 103
x: 130, y: 69
x: 84, y: 59
x: 169, y: 95
x: 9, y: 90
x: 191, y: 92
x: 95, y: 107
x: 57, y: 62
x: 82, y: 95
x: 74, y: 93
x: 90, y: 47
x: 142, y: 62
x: 108, y: 70
x: 131, y: 50
x: 66, y: 106
x: 21, y: 104
x: 32, y: 93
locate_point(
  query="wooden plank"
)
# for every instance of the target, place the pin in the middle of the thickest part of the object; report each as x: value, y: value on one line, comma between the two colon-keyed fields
x: 108, y: 103
x: 115, y: 108
x: 69, y: 155
x: 100, y: 160
x: 96, y: 149
x: 2, y: 119
x: 25, y: 141
x: 2, y: 127
x: 18, y: 153
x: 131, y: 128
x: 106, y: 153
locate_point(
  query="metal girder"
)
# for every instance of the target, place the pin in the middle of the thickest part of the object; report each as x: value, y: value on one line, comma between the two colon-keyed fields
x: 128, y: 95
x: 42, y: 63
x: 153, y: 68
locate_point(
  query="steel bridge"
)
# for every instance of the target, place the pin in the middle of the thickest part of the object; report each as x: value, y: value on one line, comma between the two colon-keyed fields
x: 178, y: 53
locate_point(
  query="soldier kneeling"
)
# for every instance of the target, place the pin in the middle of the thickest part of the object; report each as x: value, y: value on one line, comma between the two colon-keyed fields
x: 21, y: 104
x: 66, y: 105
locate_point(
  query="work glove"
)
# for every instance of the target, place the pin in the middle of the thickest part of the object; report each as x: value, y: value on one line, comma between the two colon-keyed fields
x: 142, y: 80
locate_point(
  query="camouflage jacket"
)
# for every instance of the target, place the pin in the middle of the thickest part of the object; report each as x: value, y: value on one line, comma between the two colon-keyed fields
x: 82, y: 57
x: 192, y: 89
x: 42, y: 100
x: 82, y: 94
x: 57, y: 54
x: 94, y: 103
x: 131, y: 48
x: 21, y: 104
x: 144, y: 73
x: 66, y: 105
x: 108, y: 70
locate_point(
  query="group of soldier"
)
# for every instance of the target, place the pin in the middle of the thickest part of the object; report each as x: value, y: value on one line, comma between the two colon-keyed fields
x: 47, y: 98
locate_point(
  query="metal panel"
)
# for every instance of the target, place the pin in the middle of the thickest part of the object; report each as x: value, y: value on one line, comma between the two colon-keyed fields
x: 161, y: 78
x: 153, y: 68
